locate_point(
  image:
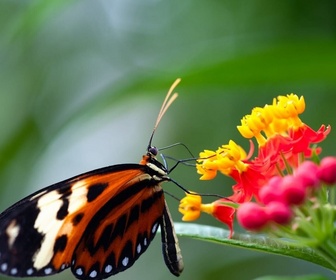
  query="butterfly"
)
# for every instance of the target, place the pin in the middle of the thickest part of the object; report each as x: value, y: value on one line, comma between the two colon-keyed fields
x: 97, y: 223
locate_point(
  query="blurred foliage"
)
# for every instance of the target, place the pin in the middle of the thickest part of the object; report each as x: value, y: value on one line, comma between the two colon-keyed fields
x: 305, y: 277
x: 81, y: 83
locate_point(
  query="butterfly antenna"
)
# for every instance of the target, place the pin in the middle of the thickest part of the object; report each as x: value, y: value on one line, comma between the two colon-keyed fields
x: 170, y: 98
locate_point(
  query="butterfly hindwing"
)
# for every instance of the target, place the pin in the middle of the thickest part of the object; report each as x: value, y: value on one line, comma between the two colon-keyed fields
x: 170, y: 246
x: 93, y: 222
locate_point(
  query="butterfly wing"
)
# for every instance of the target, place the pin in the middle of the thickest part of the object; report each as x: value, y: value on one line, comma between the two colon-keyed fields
x: 117, y: 236
x: 71, y: 223
x: 170, y: 247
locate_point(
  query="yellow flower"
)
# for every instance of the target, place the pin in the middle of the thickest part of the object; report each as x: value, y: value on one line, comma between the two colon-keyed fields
x: 231, y: 156
x: 206, y: 166
x: 225, y: 159
x: 191, y: 207
x: 264, y: 122
x: 290, y: 105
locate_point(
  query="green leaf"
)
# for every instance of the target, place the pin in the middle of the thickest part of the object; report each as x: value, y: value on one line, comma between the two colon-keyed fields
x: 250, y: 241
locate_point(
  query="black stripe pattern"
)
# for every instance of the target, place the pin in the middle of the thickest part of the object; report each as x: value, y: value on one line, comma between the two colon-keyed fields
x: 117, y: 261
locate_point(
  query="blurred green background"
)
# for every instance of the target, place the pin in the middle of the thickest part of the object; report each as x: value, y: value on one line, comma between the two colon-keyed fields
x: 81, y: 83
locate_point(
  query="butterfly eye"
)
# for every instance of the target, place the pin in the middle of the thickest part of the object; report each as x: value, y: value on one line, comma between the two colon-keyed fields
x: 153, y: 151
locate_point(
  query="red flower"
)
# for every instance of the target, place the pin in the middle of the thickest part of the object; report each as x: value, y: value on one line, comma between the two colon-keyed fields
x: 304, y: 136
x: 224, y: 213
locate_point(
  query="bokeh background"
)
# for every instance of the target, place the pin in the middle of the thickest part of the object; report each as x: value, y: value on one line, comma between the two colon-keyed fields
x: 81, y: 83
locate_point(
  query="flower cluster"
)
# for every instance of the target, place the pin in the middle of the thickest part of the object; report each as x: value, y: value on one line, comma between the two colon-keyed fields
x: 281, y: 196
x: 282, y: 182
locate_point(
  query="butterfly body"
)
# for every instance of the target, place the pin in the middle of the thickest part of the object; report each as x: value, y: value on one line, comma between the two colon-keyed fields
x: 97, y: 223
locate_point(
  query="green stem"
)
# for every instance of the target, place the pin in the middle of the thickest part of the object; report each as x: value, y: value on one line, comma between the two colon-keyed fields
x: 332, y: 195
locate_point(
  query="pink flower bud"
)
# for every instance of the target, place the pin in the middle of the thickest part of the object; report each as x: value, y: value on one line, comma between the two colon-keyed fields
x: 252, y: 216
x: 307, y: 172
x: 327, y: 170
x: 279, y: 212
x: 271, y: 191
x: 293, y: 190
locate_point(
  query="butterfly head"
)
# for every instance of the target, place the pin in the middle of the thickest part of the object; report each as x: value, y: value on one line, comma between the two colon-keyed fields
x: 152, y: 151
x: 149, y: 159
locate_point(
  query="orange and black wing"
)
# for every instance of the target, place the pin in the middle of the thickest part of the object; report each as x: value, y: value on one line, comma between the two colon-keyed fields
x: 97, y: 223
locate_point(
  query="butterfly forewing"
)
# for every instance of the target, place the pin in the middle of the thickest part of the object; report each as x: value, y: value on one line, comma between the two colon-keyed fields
x: 85, y: 222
